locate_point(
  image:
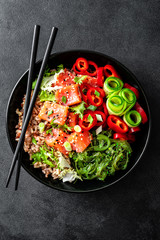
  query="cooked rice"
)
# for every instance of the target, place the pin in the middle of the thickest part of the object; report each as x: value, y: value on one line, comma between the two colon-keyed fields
x: 33, y: 131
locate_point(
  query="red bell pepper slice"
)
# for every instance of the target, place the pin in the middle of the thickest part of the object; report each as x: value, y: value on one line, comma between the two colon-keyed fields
x: 104, y: 117
x: 105, y: 112
x: 101, y: 91
x: 139, y: 109
x: 92, y: 69
x: 134, y: 129
x: 117, y: 124
x: 82, y: 64
x: 75, y: 69
x: 105, y: 109
x: 84, y: 87
x: 100, y: 77
x: 135, y: 90
x: 93, y: 98
x: 104, y: 125
x: 120, y: 136
x: 100, y: 108
x: 129, y: 137
x: 89, y: 121
x: 109, y: 71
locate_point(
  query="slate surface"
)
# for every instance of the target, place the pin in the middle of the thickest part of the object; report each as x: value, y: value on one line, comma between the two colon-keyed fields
x: 128, y: 31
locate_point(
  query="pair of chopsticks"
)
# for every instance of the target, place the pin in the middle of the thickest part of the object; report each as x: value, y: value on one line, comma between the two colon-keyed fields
x: 28, y: 107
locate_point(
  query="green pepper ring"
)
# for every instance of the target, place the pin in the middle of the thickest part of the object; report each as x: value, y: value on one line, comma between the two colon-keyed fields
x: 102, y: 137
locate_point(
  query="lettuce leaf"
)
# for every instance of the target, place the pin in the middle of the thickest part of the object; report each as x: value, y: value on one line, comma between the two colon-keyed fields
x: 47, y: 74
x: 79, y: 80
x: 46, y: 96
x: 79, y: 109
x: 62, y: 161
x: 45, y: 156
x: 69, y: 175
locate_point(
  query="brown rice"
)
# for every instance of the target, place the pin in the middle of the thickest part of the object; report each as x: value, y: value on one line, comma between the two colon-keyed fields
x: 33, y: 131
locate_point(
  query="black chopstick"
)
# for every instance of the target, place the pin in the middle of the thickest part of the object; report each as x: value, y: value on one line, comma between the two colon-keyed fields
x: 28, y: 92
x: 35, y: 93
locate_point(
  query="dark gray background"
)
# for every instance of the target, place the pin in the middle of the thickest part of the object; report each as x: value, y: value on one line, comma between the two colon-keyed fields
x: 128, y: 31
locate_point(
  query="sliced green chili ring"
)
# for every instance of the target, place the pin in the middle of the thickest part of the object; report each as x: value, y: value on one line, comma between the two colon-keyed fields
x: 112, y: 84
x: 132, y: 118
x: 105, y: 140
x: 116, y: 105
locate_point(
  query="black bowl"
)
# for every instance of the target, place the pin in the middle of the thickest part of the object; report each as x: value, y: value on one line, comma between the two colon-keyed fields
x: 68, y: 58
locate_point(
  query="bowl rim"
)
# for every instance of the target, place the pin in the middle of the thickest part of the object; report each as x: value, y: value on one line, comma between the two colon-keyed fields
x: 137, y: 82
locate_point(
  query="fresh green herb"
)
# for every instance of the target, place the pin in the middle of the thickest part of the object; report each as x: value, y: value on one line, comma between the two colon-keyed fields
x: 59, y: 68
x: 34, y: 84
x: 97, y: 93
x: 49, y: 131
x: 34, y: 141
x: 52, y: 122
x: 79, y: 109
x: 92, y: 108
x: 46, y: 96
x: 45, y: 156
x: 63, y: 127
x: 90, y: 118
x: 50, y: 112
x: 64, y: 99
x: 41, y: 127
x: 49, y: 72
x: 70, y: 154
x: 79, y: 80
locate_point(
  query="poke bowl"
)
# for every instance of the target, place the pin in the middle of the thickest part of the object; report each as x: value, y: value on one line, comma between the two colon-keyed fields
x: 84, y: 181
